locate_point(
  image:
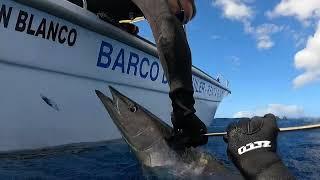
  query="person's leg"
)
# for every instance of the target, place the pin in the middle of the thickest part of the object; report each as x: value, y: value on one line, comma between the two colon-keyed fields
x: 175, y: 57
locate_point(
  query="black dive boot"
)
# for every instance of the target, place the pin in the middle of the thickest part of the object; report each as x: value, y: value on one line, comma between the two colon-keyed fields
x: 188, y: 128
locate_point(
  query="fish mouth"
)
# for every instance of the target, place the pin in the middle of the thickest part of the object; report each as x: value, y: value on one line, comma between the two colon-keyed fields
x: 107, y: 102
x: 139, y: 127
x: 112, y: 106
x: 116, y: 105
x: 123, y: 112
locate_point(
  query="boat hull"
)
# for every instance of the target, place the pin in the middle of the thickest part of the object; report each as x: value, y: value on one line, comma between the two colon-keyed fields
x: 48, y: 81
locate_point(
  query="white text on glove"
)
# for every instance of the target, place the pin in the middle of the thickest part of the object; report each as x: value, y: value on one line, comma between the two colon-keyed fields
x: 254, y: 145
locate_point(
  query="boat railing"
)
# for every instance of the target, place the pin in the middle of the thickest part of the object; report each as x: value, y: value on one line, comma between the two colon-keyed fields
x: 222, y: 80
x: 84, y: 4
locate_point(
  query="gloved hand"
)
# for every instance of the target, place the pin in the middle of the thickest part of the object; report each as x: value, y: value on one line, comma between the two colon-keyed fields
x: 252, y: 146
x: 188, y: 131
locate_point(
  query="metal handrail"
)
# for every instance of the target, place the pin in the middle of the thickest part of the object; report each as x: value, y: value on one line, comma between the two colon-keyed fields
x: 84, y: 4
x: 296, y: 128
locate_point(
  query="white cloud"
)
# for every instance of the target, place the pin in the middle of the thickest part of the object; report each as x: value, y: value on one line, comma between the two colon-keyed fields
x: 308, y: 60
x: 235, y: 62
x: 289, y: 111
x: 299, y: 38
x: 215, y: 37
x: 234, y: 9
x: 242, y: 114
x: 263, y: 34
x: 239, y: 10
x: 303, y: 10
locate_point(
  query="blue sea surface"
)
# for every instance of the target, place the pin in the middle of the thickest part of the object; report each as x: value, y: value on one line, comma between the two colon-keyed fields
x: 299, y: 150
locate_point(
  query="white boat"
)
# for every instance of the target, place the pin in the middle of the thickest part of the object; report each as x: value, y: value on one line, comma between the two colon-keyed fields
x: 54, y: 54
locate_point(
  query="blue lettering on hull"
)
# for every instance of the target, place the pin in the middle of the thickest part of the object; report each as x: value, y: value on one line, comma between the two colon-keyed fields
x: 202, y: 87
x: 131, y: 64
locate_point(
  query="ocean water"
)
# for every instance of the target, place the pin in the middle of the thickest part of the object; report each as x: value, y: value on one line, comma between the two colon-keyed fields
x: 299, y: 150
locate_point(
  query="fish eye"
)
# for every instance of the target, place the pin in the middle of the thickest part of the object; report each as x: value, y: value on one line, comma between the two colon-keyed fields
x: 133, y: 109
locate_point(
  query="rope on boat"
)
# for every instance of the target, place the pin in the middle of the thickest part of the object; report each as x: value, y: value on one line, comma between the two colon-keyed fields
x: 296, y: 128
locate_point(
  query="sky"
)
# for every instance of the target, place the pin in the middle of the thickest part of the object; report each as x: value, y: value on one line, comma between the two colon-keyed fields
x: 269, y: 51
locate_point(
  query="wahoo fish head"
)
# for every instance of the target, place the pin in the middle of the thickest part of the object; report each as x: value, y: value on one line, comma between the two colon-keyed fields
x: 144, y: 132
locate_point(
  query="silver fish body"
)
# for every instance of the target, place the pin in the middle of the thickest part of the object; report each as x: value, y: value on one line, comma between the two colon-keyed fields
x: 147, y: 136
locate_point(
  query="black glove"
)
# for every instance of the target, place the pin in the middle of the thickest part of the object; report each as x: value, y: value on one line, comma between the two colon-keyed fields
x: 188, y: 131
x: 252, y: 146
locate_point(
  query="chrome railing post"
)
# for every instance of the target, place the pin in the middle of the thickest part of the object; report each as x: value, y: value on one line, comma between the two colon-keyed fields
x: 84, y: 4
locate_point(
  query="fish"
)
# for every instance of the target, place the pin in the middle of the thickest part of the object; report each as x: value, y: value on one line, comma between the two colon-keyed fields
x: 148, y: 138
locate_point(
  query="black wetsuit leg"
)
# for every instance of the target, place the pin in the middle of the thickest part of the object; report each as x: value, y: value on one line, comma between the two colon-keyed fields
x: 175, y: 57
